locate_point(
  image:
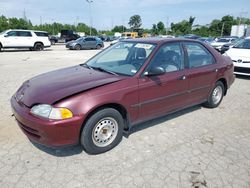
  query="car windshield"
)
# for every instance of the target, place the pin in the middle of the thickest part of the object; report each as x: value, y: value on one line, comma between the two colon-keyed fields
x: 2, y: 32
x: 243, y: 44
x: 123, y: 58
x: 79, y: 39
x: 223, y: 40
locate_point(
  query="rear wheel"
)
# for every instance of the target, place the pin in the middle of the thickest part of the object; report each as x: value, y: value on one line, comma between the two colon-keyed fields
x: 216, y: 95
x: 38, y: 46
x: 98, y: 46
x: 102, y: 131
x: 77, y: 47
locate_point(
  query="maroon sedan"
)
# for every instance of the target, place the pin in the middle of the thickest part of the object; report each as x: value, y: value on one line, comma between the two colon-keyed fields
x: 130, y: 82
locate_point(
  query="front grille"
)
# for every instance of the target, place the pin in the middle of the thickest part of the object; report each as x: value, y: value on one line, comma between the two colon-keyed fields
x: 28, y: 130
x: 242, y: 69
x: 241, y: 62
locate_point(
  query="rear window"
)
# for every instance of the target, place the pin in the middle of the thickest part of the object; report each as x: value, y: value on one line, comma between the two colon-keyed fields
x: 41, y: 34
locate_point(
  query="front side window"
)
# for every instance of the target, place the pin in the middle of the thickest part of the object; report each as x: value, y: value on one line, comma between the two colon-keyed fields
x: 125, y: 58
x: 198, y: 55
x: 12, y: 34
x: 170, y: 57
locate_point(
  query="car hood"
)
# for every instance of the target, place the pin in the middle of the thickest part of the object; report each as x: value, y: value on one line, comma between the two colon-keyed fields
x: 237, y: 53
x: 53, y: 86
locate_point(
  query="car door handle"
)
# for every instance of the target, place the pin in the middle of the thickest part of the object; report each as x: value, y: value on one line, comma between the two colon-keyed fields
x: 183, y: 77
x: 215, y: 70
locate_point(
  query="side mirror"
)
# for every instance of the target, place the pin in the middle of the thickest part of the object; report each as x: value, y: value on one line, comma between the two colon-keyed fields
x: 154, y: 71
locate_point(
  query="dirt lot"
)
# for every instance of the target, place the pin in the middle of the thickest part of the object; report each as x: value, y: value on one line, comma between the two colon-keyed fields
x: 196, y: 147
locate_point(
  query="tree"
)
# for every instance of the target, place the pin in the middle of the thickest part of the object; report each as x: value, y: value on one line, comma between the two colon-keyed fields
x: 161, y: 28
x: 135, y: 22
x: 119, y: 28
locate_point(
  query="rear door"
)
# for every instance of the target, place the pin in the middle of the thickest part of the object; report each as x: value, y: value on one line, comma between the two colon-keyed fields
x: 202, y: 71
x: 25, y: 39
x: 167, y: 92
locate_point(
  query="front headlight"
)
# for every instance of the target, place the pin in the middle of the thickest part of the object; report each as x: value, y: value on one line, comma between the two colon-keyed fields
x: 47, y: 111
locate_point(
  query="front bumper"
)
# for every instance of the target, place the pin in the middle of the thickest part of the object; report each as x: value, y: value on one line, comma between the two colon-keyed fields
x: 51, y: 133
x: 242, y: 68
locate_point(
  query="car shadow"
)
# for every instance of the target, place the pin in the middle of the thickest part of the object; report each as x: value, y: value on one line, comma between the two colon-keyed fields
x: 22, y: 50
x: 245, y: 77
x: 77, y: 149
x: 141, y: 126
x: 60, y: 151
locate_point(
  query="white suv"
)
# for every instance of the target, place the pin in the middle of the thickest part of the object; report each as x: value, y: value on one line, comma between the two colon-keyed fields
x: 16, y: 38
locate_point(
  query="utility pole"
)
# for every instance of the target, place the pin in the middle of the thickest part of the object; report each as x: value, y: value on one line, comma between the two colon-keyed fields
x: 90, y: 16
x: 222, y: 29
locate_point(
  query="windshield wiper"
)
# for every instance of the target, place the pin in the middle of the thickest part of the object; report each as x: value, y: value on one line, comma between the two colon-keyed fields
x: 86, y: 65
x: 104, y: 70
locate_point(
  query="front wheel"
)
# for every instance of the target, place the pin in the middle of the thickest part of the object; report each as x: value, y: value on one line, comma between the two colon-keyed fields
x: 102, y: 131
x: 98, y: 47
x: 77, y: 47
x: 216, y: 95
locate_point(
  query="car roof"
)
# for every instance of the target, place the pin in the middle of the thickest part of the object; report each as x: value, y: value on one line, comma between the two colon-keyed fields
x: 155, y: 40
x: 26, y: 30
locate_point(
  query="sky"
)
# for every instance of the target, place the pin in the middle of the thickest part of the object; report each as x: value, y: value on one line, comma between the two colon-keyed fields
x: 106, y: 14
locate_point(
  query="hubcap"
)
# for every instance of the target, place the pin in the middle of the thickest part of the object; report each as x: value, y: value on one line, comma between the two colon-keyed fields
x: 217, y: 94
x: 105, y: 132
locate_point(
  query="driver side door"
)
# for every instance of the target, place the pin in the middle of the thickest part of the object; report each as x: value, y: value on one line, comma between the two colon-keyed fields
x: 160, y: 94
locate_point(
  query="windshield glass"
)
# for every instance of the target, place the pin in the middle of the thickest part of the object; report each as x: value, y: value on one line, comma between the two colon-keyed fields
x: 79, y: 39
x: 124, y: 58
x: 2, y: 32
x: 244, y: 44
x: 223, y: 40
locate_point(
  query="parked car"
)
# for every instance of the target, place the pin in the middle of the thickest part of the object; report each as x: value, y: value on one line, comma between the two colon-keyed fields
x: 16, y: 38
x: 227, y: 46
x: 53, y: 39
x: 240, y: 54
x: 130, y: 82
x: 119, y: 40
x: 85, y: 43
x: 220, y: 42
x: 208, y: 40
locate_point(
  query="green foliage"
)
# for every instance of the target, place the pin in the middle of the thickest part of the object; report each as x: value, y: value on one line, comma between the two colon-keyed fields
x: 53, y: 29
x: 159, y: 28
x: 135, y: 22
x: 119, y: 28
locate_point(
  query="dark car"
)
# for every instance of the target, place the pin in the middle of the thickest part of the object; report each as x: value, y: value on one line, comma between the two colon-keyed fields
x: 85, y: 43
x: 227, y: 46
x: 53, y: 39
x: 130, y: 82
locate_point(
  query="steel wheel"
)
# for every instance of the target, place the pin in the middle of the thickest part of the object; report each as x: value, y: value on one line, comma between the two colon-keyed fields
x: 217, y: 94
x: 105, y: 132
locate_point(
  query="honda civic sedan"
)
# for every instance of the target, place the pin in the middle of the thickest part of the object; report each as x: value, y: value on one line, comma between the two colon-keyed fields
x: 130, y: 82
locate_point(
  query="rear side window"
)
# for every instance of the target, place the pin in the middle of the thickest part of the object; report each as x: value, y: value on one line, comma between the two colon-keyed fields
x: 198, y: 55
x: 41, y: 34
x: 89, y: 39
x: 24, y: 34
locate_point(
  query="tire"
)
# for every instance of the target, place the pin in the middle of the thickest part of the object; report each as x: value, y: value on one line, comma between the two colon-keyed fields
x: 77, y: 47
x: 216, y: 95
x: 102, y: 131
x: 0, y: 48
x: 98, y: 47
x: 38, y: 47
x: 53, y: 42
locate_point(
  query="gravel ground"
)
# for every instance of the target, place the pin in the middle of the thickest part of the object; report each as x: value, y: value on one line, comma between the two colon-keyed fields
x: 196, y: 147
